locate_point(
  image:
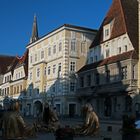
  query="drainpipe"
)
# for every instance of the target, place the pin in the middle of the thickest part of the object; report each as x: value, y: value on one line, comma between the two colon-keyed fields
x: 139, y: 43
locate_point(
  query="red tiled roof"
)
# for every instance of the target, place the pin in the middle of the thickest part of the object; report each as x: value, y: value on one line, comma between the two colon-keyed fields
x: 120, y: 57
x: 5, y: 61
x: 125, y: 16
x: 12, y: 65
x: 23, y: 61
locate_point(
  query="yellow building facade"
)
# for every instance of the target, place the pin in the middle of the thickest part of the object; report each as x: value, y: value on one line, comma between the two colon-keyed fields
x: 53, y: 61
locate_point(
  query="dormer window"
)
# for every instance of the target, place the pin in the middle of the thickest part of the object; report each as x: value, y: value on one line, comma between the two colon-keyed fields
x: 106, y: 32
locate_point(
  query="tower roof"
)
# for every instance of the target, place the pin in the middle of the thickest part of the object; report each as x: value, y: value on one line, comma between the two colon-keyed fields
x: 34, y: 36
x: 124, y: 14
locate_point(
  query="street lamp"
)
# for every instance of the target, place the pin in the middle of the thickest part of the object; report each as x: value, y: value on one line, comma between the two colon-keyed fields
x: 52, y: 99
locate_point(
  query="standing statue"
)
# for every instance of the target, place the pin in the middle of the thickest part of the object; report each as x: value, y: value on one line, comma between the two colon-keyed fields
x: 91, y: 124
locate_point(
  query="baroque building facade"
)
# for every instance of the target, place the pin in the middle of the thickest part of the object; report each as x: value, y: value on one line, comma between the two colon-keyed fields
x: 3, y: 69
x: 110, y: 79
x: 53, y: 62
x: 14, y: 79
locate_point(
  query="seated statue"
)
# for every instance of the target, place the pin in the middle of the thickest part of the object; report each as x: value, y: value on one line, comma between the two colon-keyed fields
x: 50, y: 119
x: 91, y: 124
x: 13, y: 124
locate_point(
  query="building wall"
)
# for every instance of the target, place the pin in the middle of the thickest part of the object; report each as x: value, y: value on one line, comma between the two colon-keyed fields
x: 115, y: 46
x: 116, y: 89
x: 62, y: 46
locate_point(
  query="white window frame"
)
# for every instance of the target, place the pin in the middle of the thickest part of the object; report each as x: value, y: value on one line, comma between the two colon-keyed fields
x: 38, y: 72
x: 42, y: 54
x: 72, y: 66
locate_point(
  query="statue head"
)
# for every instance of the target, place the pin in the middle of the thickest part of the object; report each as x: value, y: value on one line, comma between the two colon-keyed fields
x: 16, y: 106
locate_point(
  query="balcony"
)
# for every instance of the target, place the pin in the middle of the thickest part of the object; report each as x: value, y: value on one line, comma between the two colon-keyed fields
x: 108, y: 88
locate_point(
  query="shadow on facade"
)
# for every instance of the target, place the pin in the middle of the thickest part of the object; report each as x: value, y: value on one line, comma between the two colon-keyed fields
x: 111, y: 95
x: 57, y: 95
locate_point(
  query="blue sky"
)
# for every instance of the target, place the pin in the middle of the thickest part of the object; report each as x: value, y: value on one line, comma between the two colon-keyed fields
x: 16, y: 19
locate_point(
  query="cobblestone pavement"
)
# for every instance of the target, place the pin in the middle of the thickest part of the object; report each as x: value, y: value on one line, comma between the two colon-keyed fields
x: 71, y: 122
x: 51, y: 136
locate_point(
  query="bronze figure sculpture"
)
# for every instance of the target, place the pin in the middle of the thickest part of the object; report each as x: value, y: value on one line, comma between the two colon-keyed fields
x: 91, y: 123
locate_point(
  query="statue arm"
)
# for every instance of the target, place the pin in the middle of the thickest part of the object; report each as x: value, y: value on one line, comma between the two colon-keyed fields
x: 96, y: 120
x: 87, y: 119
x: 21, y: 121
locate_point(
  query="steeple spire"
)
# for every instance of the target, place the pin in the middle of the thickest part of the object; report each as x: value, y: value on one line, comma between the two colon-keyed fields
x: 34, y: 36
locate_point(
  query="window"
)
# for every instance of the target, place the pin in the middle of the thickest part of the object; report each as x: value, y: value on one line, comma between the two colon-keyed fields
x: 54, y: 49
x: 73, y: 45
x: 31, y: 59
x: 8, y: 91
x: 115, y: 104
x: 97, y: 79
x: 14, y: 89
x: 30, y: 92
x: 60, y: 47
x: 20, y: 88
x: 38, y: 72
x: 119, y: 50
x: 107, y: 53
x: 54, y: 68
x: 133, y: 72
x: 30, y: 75
x: 108, y: 76
x: 37, y: 91
x: 83, y: 47
x: 17, y: 89
x: 81, y: 81
x: 83, y: 37
x: 53, y: 88
x: 107, y: 106
x: 128, y: 104
x: 5, y: 91
x: 106, y: 32
x: 7, y: 78
x: 42, y: 54
x: 72, y: 66
x: 88, y: 80
x: 35, y: 57
x: 44, y: 88
x: 45, y: 71
x: 59, y: 67
x: 95, y: 58
x: 49, y: 70
x: 124, y: 72
x: 21, y: 74
x: 73, y: 34
x: 91, y: 59
x: 16, y: 76
x: 72, y: 86
x: 125, y: 48
x: 49, y: 51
